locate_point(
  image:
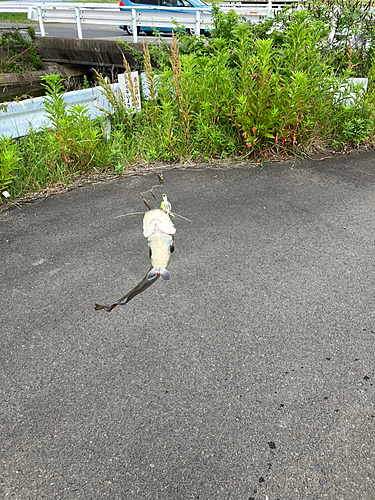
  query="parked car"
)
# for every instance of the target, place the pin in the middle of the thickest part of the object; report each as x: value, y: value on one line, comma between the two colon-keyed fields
x: 178, y: 5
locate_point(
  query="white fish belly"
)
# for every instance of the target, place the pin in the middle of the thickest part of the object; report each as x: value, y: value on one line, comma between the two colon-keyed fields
x: 160, y: 245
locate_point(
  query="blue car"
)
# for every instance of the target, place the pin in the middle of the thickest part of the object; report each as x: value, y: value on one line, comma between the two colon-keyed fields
x: 179, y: 5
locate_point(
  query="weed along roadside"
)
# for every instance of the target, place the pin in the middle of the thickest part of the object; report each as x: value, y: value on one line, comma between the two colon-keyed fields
x: 278, y: 87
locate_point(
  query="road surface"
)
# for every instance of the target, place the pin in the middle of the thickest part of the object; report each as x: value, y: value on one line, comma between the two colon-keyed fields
x: 88, y: 31
x: 249, y: 375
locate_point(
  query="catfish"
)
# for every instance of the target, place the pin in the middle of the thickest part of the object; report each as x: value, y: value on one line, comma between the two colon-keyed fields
x: 159, y: 231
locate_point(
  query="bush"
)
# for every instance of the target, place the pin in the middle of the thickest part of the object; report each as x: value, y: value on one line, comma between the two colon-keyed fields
x: 70, y: 145
x: 18, y: 61
x: 249, y: 90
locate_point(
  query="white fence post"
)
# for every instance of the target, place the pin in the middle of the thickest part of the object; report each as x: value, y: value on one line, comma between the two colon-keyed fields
x: 78, y: 19
x: 198, y: 22
x: 269, y: 9
x: 40, y: 19
x: 134, y: 22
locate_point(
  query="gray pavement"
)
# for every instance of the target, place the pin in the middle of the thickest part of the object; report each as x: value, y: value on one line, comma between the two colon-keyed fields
x: 249, y: 375
x: 91, y: 31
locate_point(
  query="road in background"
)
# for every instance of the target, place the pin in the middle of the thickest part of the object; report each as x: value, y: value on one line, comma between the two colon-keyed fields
x: 93, y: 31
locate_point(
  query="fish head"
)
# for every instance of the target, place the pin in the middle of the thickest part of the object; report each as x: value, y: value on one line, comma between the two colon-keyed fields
x: 157, y: 221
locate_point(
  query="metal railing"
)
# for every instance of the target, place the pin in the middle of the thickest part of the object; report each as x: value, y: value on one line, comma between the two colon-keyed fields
x: 133, y: 16
x: 16, y: 118
x: 142, y: 15
x: 24, y: 6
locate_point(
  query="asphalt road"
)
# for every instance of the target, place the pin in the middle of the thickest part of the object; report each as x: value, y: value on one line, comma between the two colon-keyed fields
x: 249, y: 375
x: 88, y: 31
x: 95, y: 32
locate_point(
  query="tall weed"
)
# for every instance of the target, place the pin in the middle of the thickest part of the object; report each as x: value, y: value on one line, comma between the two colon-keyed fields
x: 9, y: 161
x: 72, y: 143
x: 212, y: 106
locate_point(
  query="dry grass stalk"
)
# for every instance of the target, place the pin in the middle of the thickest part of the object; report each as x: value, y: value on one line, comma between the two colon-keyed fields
x: 151, y: 83
x: 176, y: 68
x: 350, y: 64
x: 176, y: 64
x: 128, y: 80
x: 108, y: 93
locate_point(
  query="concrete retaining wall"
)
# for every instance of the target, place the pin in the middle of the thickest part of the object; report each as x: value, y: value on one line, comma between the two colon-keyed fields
x: 85, y: 52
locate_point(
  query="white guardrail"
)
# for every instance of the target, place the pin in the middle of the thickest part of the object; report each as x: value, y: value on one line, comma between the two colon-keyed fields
x: 24, y: 6
x: 18, y: 117
x: 142, y: 15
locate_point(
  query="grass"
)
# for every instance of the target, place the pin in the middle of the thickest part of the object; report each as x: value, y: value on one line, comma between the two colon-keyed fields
x: 15, y: 17
x: 23, y: 59
x: 250, y: 91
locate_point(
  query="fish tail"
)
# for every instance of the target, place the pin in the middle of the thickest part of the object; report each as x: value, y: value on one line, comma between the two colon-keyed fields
x: 152, y: 274
x: 164, y: 274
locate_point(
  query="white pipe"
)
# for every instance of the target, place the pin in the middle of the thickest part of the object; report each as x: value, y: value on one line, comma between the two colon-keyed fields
x: 134, y: 22
x: 198, y: 22
x: 269, y: 9
x: 78, y: 19
x: 40, y: 19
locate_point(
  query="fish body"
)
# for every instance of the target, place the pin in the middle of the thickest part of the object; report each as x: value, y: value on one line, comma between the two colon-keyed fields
x: 159, y: 230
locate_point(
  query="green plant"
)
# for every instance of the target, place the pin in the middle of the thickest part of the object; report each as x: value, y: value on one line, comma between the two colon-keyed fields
x: 36, y: 170
x: 117, y: 112
x: 281, y: 98
x: 257, y: 84
x: 212, y: 101
x: 250, y: 90
x: 356, y: 130
x: 304, y: 95
x: 18, y: 61
x: 30, y: 30
x: 165, y: 139
x: 160, y: 52
x: 9, y: 160
x: 72, y: 139
x: 85, y: 82
x: 354, y: 119
x: 135, y: 54
x: 225, y: 23
x: 151, y: 85
x: 351, y: 25
x: 117, y: 151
